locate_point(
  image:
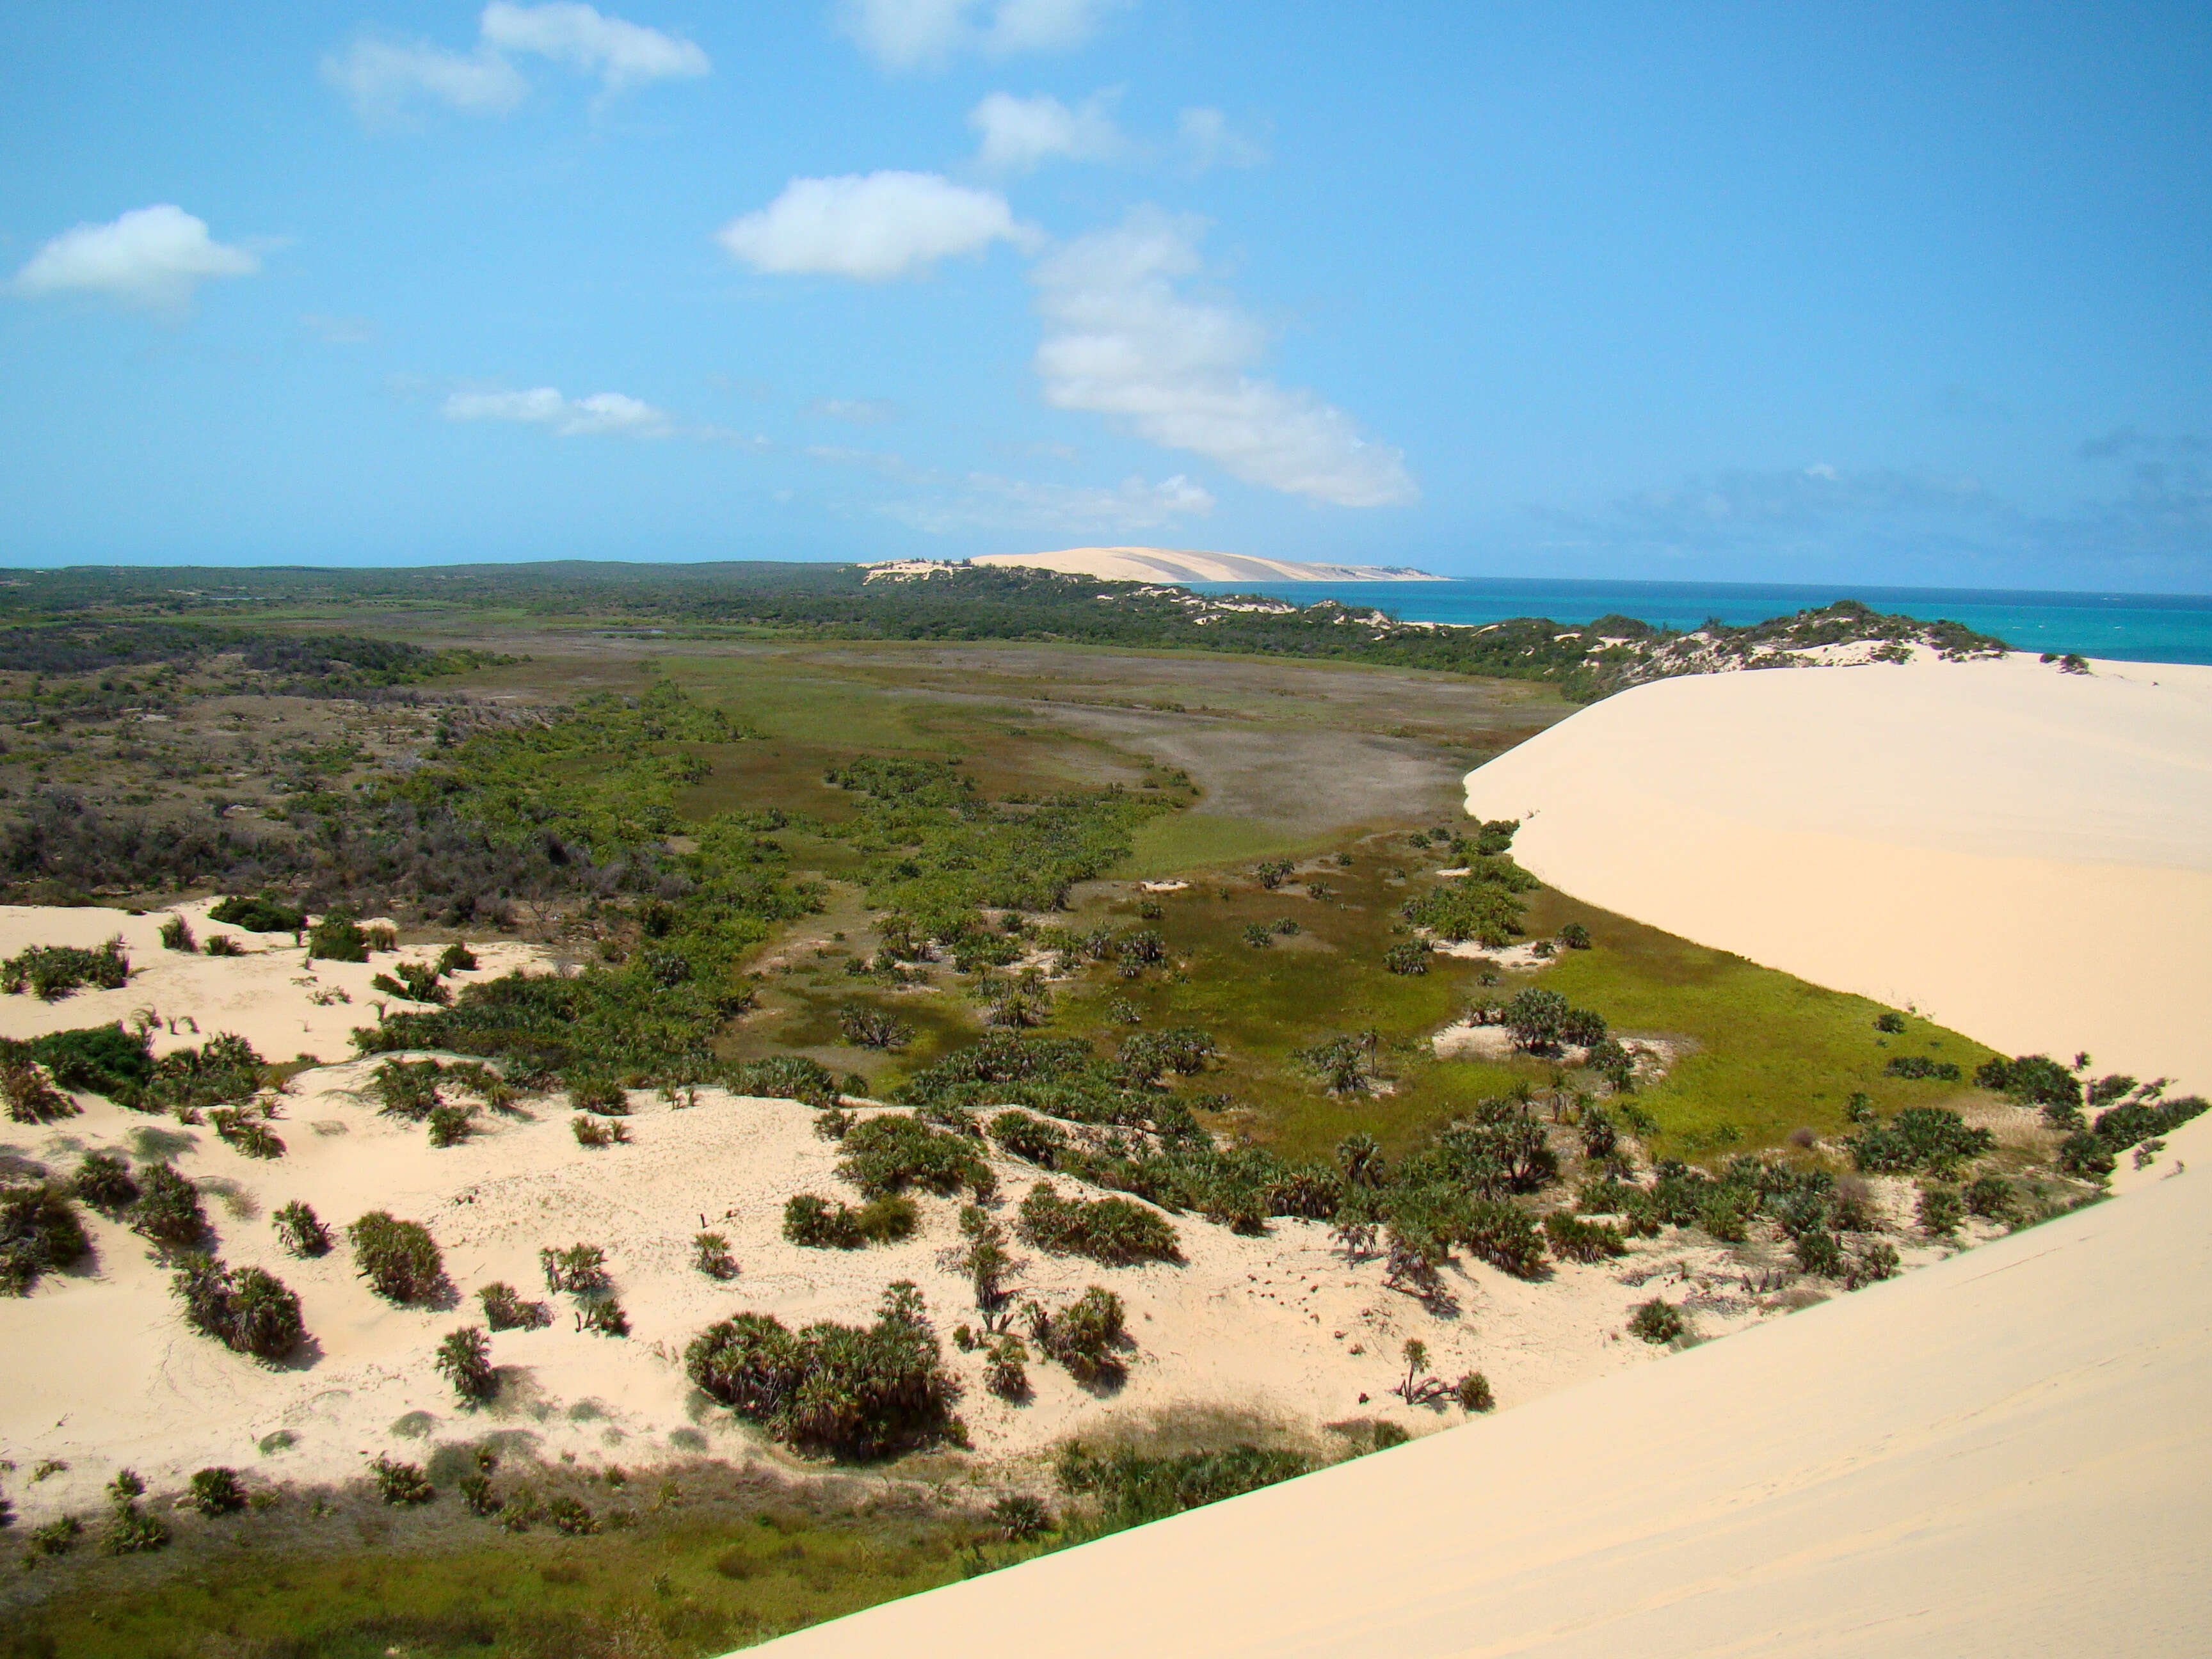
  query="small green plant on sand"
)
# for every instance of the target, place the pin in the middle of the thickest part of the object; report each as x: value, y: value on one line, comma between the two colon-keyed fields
x: 1656, y: 1321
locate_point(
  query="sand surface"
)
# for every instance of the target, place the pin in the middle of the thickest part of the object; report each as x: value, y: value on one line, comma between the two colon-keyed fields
x: 2022, y: 854
x: 1282, y: 1326
x: 1165, y: 564
x: 2007, y: 1453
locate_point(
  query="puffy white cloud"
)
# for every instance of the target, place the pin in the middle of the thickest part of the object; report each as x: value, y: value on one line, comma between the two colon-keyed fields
x: 603, y: 411
x: 993, y: 502
x: 872, y: 227
x: 621, y: 54
x: 1208, y: 141
x: 1120, y: 341
x: 151, y: 257
x: 1020, y: 134
x: 912, y: 34
x: 382, y: 77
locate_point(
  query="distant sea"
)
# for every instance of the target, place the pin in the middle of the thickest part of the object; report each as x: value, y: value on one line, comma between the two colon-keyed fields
x: 2126, y: 626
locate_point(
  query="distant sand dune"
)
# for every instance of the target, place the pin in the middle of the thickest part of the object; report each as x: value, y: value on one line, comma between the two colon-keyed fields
x: 2023, y: 854
x: 1161, y: 564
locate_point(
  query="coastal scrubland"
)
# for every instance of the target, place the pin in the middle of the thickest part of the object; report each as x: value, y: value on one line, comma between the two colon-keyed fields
x: 1145, y: 1025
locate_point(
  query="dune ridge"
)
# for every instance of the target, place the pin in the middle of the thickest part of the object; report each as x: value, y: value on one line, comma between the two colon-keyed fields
x: 1161, y: 564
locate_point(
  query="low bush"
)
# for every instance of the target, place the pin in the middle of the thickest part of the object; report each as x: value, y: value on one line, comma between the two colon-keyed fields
x: 222, y: 944
x: 2138, y: 1120
x: 1820, y: 1253
x: 1030, y: 1137
x: 1020, y: 1518
x: 710, y: 1255
x: 103, y: 1181
x: 1990, y: 1196
x: 1889, y: 1021
x: 337, y: 938
x: 30, y: 1093
x: 221, y: 1071
x: 786, y: 1077
x: 1473, y: 1391
x: 603, y: 1095
x: 1575, y: 936
x: 820, y: 1224
x: 1573, y: 1239
x: 1410, y: 957
x: 249, y: 1310
x: 605, y: 1316
x: 413, y: 981
x: 1920, y: 1138
x: 1874, y: 1261
x: 177, y: 935
x: 104, y: 1060
x: 591, y: 1131
x: 399, y: 1258
x: 464, y: 1360
x: 1084, y: 1335
x: 1112, y: 1231
x: 581, y: 1269
x: 265, y: 915
x: 1940, y: 1211
x: 2083, y: 1154
x: 1005, y: 1368
x: 406, y: 1089
x: 1919, y: 1065
x: 2034, y: 1080
x: 1656, y: 1321
x: 50, y: 972
x: 401, y: 1483
x: 216, y: 1491
x: 505, y: 1309
x: 40, y: 1233
x: 246, y: 1131
x: 168, y: 1212
x: 450, y: 1125
x: 889, y: 1153
x: 457, y: 958
x: 1130, y: 1490
x: 301, y: 1230
x: 850, y: 1390
x: 866, y: 1027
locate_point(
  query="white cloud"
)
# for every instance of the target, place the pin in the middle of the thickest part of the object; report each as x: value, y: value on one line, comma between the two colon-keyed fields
x: 621, y: 54
x: 920, y: 34
x: 382, y: 77
x: 872, y: 227
x: 1208, y: 141
x: 1020, y: 134
x: 603, y: 411
x: 1120, y: 341
x: 861, y: 411
x: 150, y: 257
x: 993, y: 502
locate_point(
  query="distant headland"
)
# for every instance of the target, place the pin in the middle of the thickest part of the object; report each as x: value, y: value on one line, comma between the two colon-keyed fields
x: 1162, y: 564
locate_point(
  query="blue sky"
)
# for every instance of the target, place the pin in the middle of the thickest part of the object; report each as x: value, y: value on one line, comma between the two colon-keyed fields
x: 1897, y: 293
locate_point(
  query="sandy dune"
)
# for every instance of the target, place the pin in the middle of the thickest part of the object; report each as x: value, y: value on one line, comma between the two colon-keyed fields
x: 2022, y: 854
x: 1280, y: 1326
x: 1162, y: 564
x: 2005, y: 1454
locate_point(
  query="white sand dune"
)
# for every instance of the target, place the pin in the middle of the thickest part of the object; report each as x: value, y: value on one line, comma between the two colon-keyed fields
x: 1163, y: 564
x: 2021, y: 855
x: 2007, y: 1453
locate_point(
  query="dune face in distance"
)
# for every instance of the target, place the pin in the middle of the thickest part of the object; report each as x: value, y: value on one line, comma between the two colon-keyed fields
x: 2024, y: 855
x: 1161, y: 564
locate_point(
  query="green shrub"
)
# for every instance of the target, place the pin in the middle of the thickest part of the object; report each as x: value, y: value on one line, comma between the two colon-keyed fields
x: 31, y: 1094
x: 301, y: 1230
x: 1919, y: 1065
x: 401, y: 1483
x: 1874, y: 1261
x: 506, y: 1310
x: 169, y: 1211
x: 247, y: 1132
x: 265, y: 915
x: 1084, y: 1335
x: 1889, y: 1021
x: 40, y: 1233
x: 464, y: 1360
x: 571, y: 1516
x: 786, y: 1077
x: 1927, y: 1139
x: 581, y: 1269
x: 216, y: 1491
x: 1656, y: 1321
x: 222, y: 944
x: 1112, y: 1231
x: 103, y: 1181
x: 412, y: 981
x: 457, y: 958
x: 2138, y: 1120
x: 1005, y: 1368
x: 177, y: 935
x: 866, y: 1027
x: 1345, y: 1063
x: 399, y: 1258
x: 1940, y: 1211
x: 1820, y: 1253
x: 221, y: 1071
x: 477, y: 1495
x: 710, y: 1255
x: 1129, y: 1489
x: 603, y: 1095
x: 1029, y: 1138
x: 819, y: 1224
x: 852, y: 1391
x: 337, y: 938
x: 1990, y: 1196
x: 103, y: 1059
x: 590, y: 1132
x: 889, y: 1153
x: 1020, y: 1518
x: 451, y: 1125
x: 130, y: 1530
x: 605, y: 1316
x: 406, y: 1089
x: 1408, y: 956
x: 2034, y: 1080
x: 51, y: 971
x: 1572, y: 1239
x: 1473, y: 1391
x: 249, y: 1310
x: 56, y: 1537
x: 2083, y: 1154
x: 1500, y: 1234
x: 1575, y: 936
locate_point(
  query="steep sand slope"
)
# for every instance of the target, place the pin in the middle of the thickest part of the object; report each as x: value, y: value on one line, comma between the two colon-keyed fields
x: 2005, y: 1454
x: 1165, y: 564
x: 2024, y: 855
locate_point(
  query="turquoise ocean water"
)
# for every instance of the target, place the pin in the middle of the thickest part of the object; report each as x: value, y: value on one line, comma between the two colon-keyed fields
x: 2126, y: 626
